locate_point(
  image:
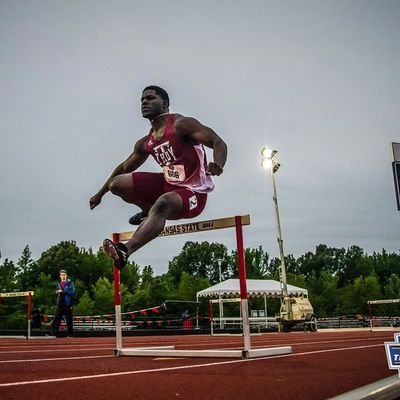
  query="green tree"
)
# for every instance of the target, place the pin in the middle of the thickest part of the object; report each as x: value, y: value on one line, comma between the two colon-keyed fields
x: 142, y: 298
x: 146, y: 294
x: 103, y: 295
x: 200, y: 260
x: 25, y: 263
x: 45, y: 296
x: 85, y: 306
x: 385, y: 265
x: 324, y: 295
x: 291, y: 264
x: 339, y: 281
x: 325, y: 259
x: 161, y: 290
x: 8, y: 276
x: 355, y: 297
x: 296, y: 280
x: 189, y: 286
x: 273, y: 268
x: 392, y: 288
x: 130, y: 276
x: 147, y: 276
x: 256, y: 262
x: 91, y: 267
x: 65, y: 255
x: 80, y: 288
x: 355, y: 264
x: 12, y: 310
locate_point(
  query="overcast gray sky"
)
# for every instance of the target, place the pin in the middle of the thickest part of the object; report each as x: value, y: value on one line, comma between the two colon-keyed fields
x: 317, y: 80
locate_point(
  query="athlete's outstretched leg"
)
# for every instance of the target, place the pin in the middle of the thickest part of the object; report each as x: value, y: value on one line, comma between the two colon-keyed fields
x: 167, y: 206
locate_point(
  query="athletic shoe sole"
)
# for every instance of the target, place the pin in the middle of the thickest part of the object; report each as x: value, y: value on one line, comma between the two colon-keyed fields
x: 112, y: 251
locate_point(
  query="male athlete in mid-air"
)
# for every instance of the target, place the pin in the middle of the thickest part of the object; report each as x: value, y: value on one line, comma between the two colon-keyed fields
x: 180, y: 190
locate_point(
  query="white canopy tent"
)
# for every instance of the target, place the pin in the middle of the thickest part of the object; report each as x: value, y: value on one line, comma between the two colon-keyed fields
x: 230, y: 289
x: 255, y: 288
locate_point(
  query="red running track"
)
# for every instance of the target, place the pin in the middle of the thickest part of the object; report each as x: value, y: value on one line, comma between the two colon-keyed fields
x: 322, y: 365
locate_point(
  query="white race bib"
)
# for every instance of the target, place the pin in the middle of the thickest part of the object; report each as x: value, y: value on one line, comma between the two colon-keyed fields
x: 174, y: 173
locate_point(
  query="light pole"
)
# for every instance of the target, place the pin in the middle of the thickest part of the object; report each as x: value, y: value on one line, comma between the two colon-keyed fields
x: 269, y: 161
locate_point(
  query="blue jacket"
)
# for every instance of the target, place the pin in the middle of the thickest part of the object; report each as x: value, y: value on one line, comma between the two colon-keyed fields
x: 67, y: 294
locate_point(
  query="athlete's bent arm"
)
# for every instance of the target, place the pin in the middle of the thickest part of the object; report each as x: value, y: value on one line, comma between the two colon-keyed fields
x: 132, y: 163
x: 190, y: 129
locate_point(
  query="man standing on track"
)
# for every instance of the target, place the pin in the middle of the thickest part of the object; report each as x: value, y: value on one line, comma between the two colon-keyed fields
x: 65, y: 291
x: 180, y: 191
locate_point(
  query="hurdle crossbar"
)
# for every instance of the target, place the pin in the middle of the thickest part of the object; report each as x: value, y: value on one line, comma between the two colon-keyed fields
x: 17, y: 294
x: 193, y: 227
x: 246, y: 352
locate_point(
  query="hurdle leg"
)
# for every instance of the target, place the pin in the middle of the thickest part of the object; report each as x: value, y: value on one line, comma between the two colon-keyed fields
x: 29, y: 312
x: 243, y: 285
x: 117, y: 300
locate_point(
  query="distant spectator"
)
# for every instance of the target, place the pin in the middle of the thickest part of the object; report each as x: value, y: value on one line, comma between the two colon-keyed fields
x: 185, y: 314
x: 65, y: 292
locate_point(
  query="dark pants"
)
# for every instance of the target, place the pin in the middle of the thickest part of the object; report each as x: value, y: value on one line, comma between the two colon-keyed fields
x: 62, y: 311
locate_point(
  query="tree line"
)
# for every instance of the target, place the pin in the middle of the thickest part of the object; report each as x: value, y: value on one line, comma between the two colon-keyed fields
x: 339, y: 281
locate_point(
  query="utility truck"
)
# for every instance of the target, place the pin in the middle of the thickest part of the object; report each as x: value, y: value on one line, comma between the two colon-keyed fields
x: 297, y: 311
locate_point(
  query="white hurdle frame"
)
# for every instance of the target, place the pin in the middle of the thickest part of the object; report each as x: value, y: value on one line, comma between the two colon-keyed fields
x: 371, y: 317
x: 170, y: 351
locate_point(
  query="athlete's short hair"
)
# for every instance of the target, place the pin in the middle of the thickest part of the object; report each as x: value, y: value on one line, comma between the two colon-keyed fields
x: 160, y: 91
x: 63, y: 271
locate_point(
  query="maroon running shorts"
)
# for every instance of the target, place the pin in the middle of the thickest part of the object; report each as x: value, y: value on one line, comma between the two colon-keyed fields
x: 149, y: 186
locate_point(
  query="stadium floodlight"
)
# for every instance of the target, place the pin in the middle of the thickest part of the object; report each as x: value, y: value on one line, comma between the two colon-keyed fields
x: 268, y: 159
x: 266, y: 152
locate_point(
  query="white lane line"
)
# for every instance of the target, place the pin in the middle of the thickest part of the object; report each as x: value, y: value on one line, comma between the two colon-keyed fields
x: 157, y: 370
x: 63, y: 350
x: 55, y: 359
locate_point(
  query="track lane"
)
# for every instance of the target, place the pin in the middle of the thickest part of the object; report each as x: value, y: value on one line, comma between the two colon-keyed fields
x: 322, y: 364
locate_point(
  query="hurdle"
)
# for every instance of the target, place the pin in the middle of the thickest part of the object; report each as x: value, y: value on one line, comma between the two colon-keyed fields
x: 28, y: 296
x: 236, y: 222
x: 383, y: 323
